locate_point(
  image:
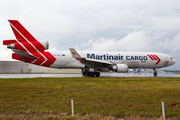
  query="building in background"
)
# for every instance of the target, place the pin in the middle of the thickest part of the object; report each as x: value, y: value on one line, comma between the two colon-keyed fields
x: 16, y: 67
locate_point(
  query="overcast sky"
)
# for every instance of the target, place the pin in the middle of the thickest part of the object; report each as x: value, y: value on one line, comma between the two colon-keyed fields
x: 98, y: 25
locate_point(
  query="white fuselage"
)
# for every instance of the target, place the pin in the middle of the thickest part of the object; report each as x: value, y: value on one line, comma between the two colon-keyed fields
x: 27, y: 49
x: 132, y: 59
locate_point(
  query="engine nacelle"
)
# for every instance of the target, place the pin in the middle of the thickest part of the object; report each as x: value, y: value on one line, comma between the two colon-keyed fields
x: 11, y: 46
x: 45, y: 44
x: 119, y: 68
x: 17, y: 46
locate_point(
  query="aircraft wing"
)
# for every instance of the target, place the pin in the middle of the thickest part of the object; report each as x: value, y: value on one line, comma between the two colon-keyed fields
x: 89, y: 62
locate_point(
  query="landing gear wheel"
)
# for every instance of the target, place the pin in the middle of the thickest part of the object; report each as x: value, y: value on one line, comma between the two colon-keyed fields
x: 97, y: 74
x: 155, y: 72
x: 91, y: 74
x: 85, y: 73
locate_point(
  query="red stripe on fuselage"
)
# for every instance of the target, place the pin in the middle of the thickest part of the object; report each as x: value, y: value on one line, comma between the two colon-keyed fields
x: 154, y: 57
x: 158, y: 59
x: 150, y: 57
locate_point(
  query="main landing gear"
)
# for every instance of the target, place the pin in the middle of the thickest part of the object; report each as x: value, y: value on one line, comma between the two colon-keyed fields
x: 91, y: 74
x: 155, y: 72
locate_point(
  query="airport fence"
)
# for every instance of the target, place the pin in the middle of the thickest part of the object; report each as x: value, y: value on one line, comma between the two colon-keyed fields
x: 163, y: 109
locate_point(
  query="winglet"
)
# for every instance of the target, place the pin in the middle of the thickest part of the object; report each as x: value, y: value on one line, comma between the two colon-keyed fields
x: 75, y: 54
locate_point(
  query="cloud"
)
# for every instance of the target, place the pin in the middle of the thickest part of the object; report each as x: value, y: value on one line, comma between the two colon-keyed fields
x: 137, y: 41
x: 171, y: 44
x: 6, y: 55
x: 118, y: 25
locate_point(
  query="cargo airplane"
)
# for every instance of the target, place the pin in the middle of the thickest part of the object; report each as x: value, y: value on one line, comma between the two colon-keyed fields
x: 27, y: 49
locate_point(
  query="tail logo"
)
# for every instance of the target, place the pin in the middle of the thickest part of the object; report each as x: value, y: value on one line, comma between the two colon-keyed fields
x: 74, y: 53
x: 27, y: 48
x: 154, y: 57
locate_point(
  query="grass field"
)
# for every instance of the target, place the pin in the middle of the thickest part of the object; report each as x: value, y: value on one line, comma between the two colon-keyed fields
x: 117, y: 97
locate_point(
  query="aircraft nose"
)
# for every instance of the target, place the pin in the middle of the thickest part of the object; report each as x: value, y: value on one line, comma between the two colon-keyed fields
x: 171, y: 61
x: 174, y: 61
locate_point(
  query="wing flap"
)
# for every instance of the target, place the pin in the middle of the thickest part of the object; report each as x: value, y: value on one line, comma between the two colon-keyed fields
x: 97, y: 61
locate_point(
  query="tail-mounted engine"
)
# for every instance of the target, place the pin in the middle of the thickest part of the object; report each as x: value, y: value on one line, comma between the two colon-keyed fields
x: 12, y: 44
x: 31, y: 52
x: 26, y: 48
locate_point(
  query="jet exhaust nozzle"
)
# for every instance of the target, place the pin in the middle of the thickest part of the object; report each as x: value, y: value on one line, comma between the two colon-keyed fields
x: 11, y: 46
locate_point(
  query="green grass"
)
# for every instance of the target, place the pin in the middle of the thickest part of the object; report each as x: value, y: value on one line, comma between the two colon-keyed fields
x: 105, y: 96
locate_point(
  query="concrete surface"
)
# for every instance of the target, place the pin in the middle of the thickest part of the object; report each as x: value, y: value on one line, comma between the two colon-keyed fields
x: 17, y: 67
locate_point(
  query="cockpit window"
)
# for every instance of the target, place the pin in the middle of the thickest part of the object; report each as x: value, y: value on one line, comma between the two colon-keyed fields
x: 171, y: 58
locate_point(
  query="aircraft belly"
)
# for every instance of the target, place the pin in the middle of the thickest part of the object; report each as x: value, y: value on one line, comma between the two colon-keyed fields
x: 75, y: 65
x: 67, y: 64
x: 133, y: 64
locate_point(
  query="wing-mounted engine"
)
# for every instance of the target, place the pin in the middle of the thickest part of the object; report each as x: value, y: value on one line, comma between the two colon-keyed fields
x: 119, y: 68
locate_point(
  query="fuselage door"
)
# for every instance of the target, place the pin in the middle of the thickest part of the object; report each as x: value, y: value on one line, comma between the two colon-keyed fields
x: 142, y: 63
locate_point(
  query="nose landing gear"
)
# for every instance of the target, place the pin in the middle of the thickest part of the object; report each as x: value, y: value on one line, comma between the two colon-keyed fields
x: 155, y: 72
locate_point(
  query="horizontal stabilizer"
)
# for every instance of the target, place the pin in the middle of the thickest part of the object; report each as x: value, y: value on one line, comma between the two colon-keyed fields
x: 8, y: 42
x: 24, y: 54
